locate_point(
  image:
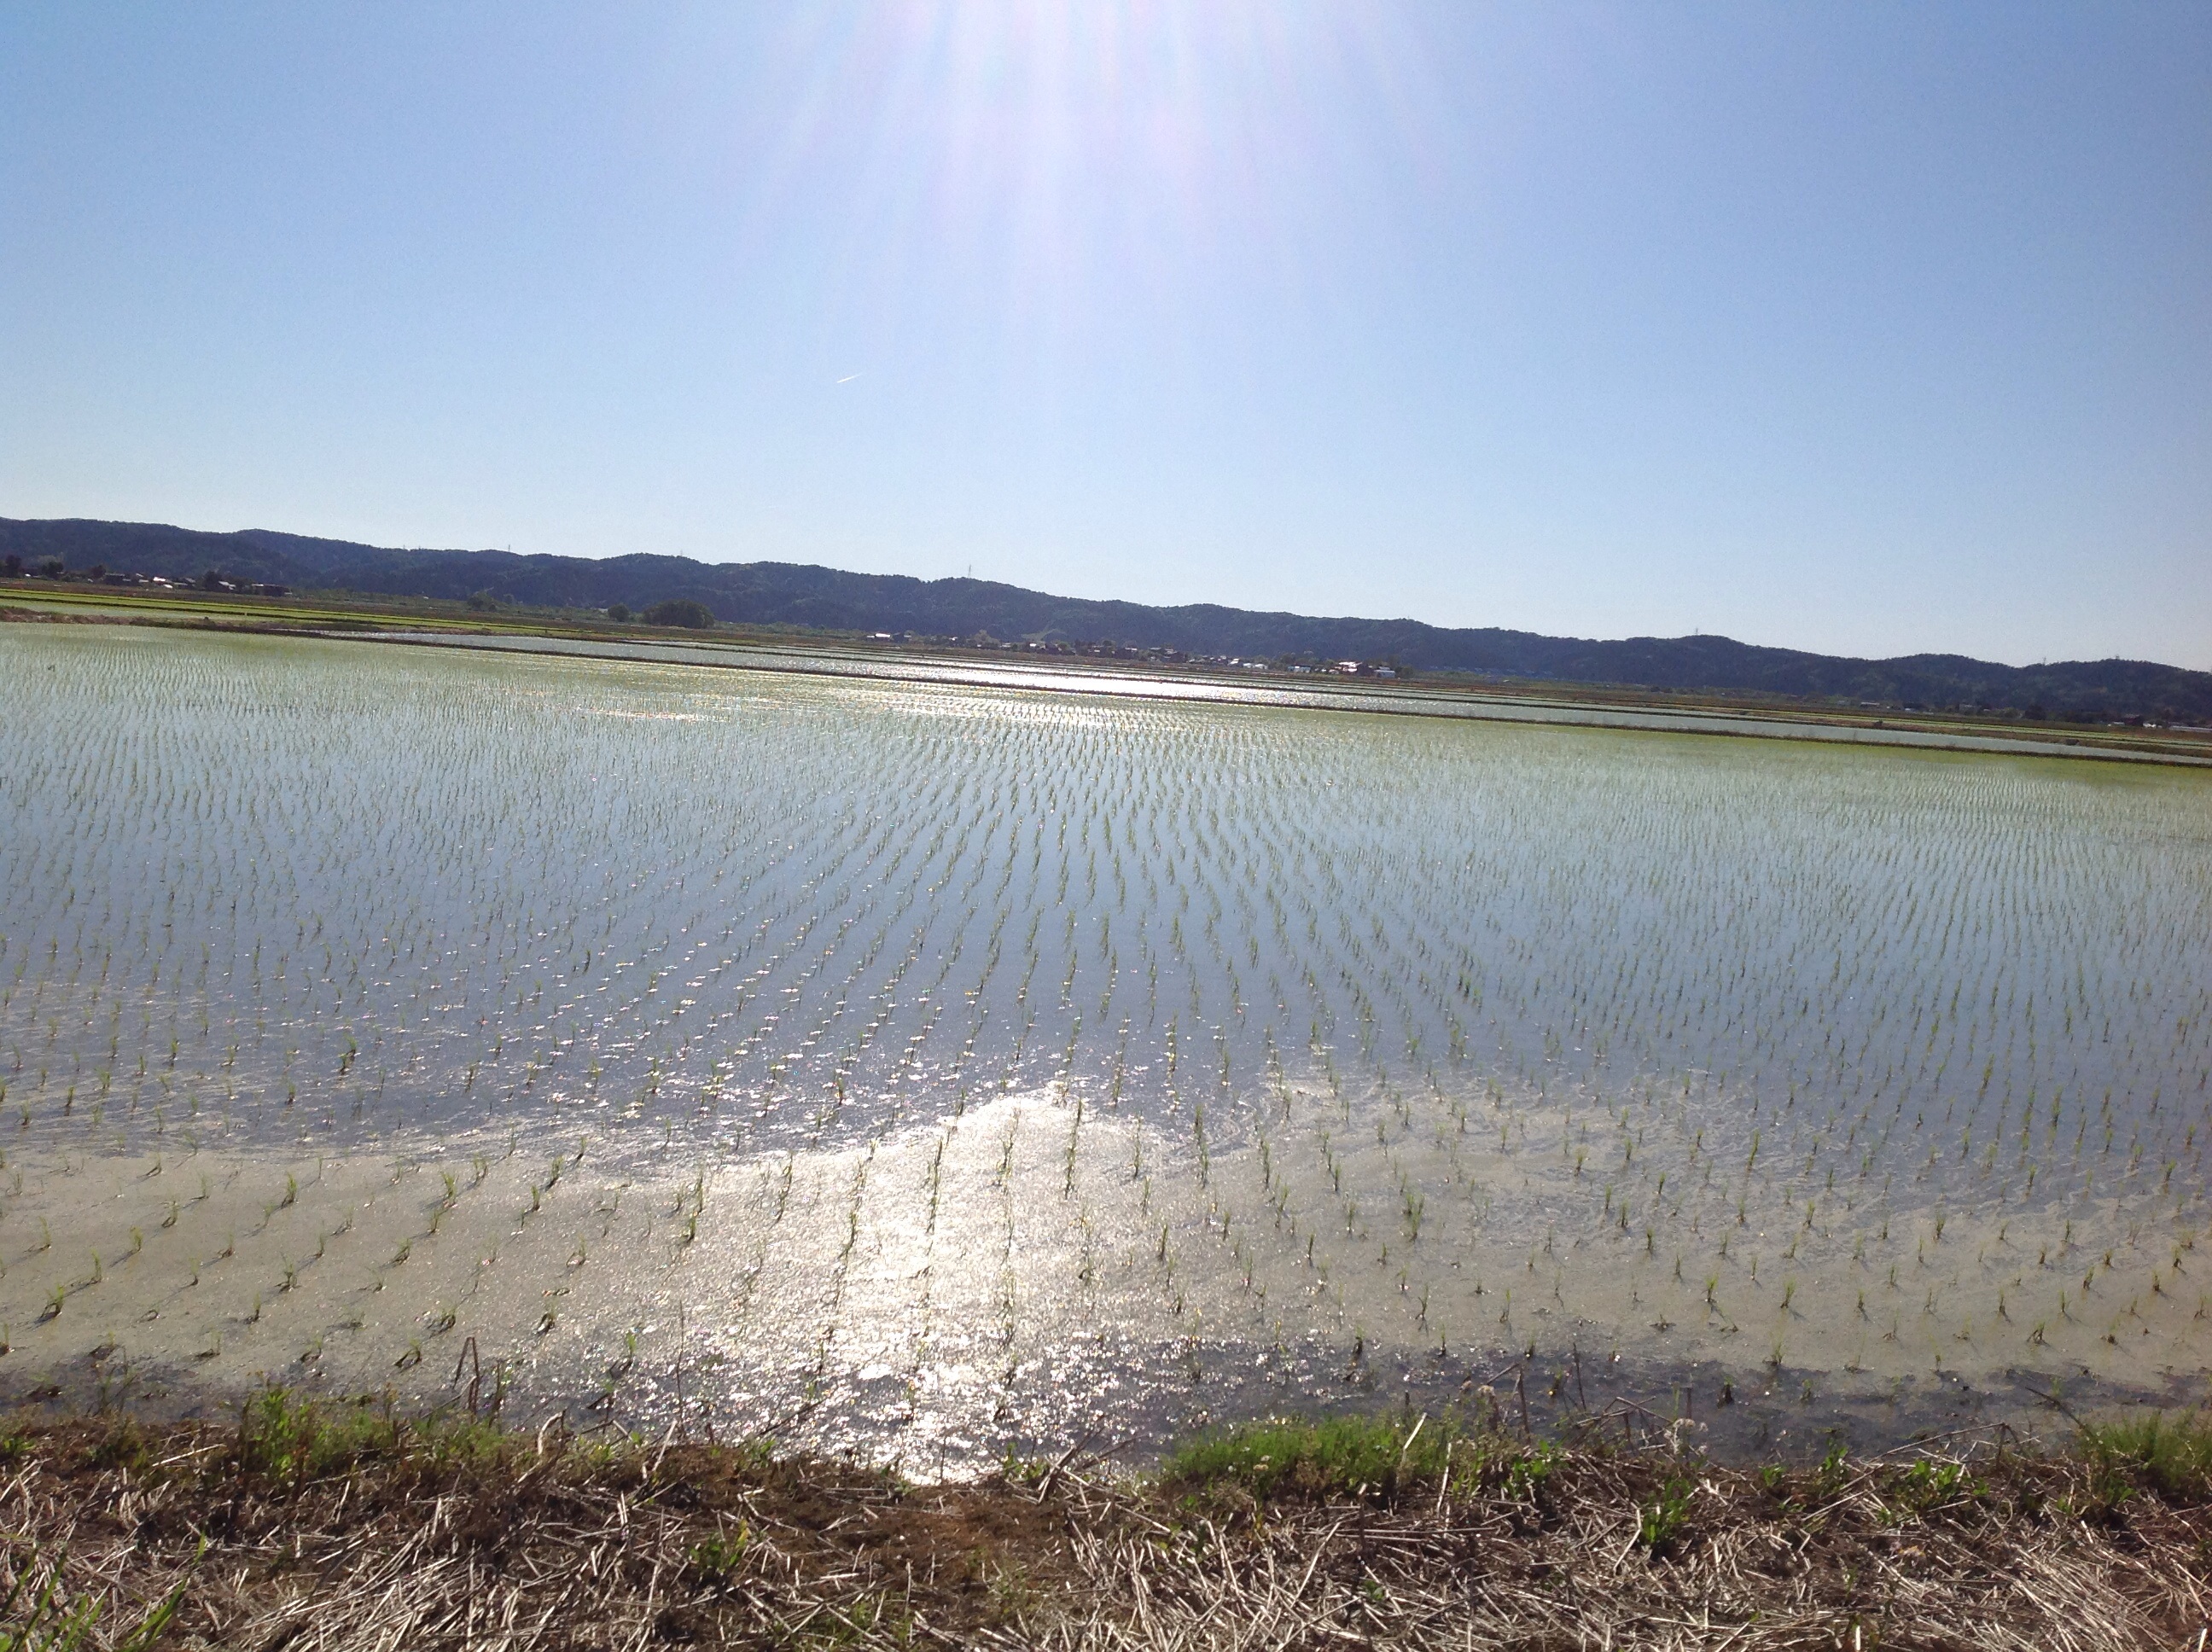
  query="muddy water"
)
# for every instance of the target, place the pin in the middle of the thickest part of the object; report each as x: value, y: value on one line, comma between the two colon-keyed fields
x: 930, y: 1069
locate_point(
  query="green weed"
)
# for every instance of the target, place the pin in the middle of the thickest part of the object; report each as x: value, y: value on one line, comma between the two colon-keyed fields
x: 2172, y: 1454
x: 715, y: 1560
x: 1358, y: 1456
x: 1661, y: 1524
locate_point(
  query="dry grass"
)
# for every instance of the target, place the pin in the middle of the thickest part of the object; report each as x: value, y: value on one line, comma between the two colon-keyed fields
x: 303, y: 1530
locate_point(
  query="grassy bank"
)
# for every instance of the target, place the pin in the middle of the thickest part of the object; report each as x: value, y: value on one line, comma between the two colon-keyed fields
x: 302, y: 1526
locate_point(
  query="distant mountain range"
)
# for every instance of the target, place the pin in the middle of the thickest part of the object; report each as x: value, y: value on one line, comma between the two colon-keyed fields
x: 790, y: 594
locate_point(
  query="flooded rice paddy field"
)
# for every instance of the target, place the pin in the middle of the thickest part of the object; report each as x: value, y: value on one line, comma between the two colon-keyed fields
x: 933, y: 1070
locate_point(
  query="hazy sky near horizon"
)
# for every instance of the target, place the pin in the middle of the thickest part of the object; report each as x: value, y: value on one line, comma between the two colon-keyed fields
x: 1871, y: 329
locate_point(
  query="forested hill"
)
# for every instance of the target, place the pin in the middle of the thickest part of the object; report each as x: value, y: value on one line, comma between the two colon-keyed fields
x: 782, y: 593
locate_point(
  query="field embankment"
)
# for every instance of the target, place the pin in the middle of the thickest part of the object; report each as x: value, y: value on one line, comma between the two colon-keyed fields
x: 301, y: 1528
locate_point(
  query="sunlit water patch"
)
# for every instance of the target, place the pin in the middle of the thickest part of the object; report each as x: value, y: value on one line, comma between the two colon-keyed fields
x: 1318, y: 691
x: 927, y: 1068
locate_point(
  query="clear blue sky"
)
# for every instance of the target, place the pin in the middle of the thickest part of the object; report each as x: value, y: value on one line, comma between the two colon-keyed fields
x: 1867, y: 328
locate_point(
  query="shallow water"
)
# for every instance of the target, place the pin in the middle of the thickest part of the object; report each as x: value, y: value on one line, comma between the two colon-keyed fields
x: 934, y: 1067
